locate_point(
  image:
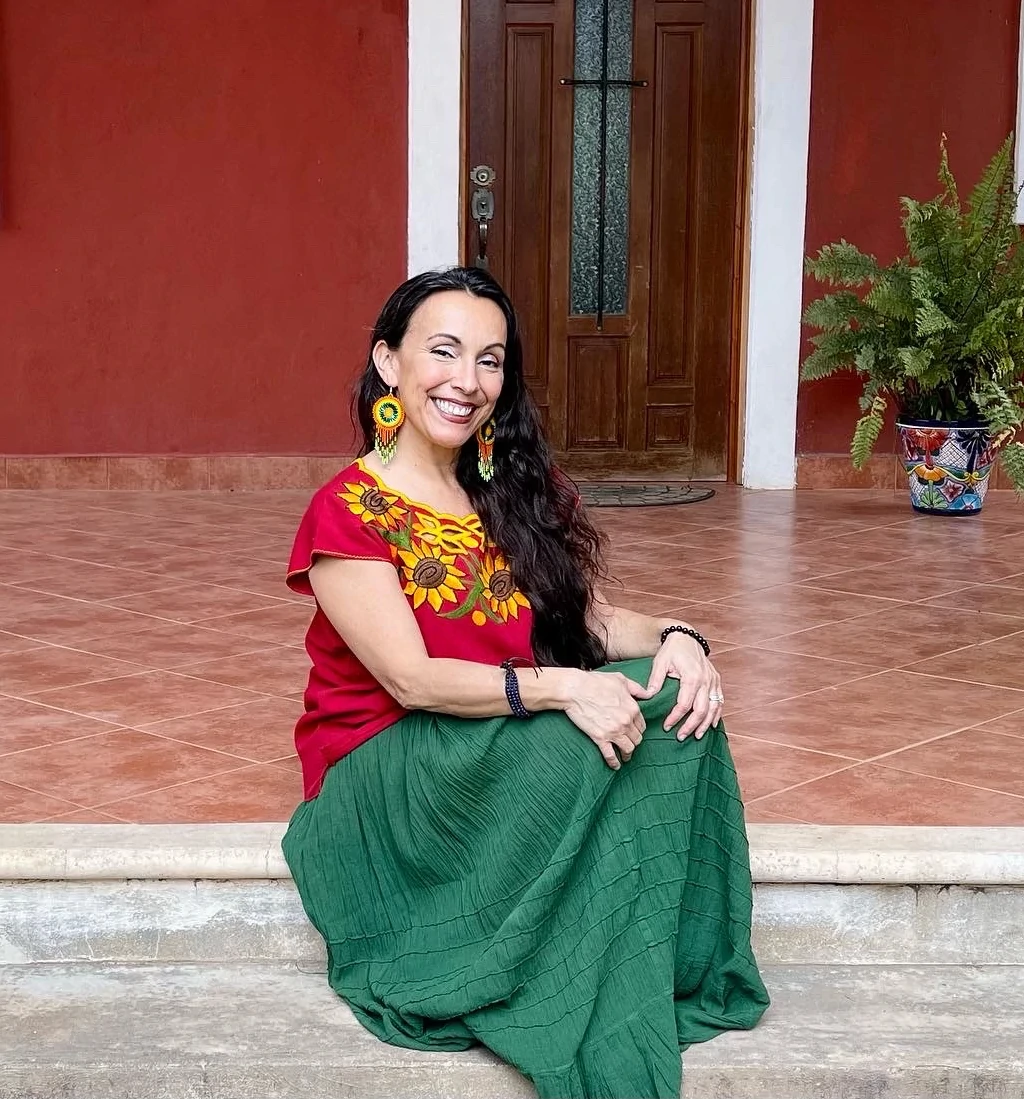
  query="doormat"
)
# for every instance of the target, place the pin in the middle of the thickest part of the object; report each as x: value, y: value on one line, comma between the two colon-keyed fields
x: 638, y: 494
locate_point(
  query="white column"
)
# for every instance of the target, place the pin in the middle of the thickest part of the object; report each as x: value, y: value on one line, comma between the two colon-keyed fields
x: 782, y: 101
x: 435, y: 75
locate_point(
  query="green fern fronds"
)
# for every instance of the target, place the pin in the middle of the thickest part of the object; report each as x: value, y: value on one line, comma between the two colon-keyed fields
x: 946, y: 176
x: 835, y: 312
x: 892, y: 295
x: 940, y: 330
x: 931, y: 320
x: 865, y: 436
x: 833, y: 351
x: 983, y: 206
x: 915, y: 360
x: 842, y: 264
x: 1013, y: 463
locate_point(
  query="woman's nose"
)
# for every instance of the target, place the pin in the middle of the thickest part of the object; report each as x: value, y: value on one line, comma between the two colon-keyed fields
x: 464, y: 374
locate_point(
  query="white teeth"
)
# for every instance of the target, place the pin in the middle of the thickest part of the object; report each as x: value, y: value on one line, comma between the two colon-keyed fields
x: 452, y: 408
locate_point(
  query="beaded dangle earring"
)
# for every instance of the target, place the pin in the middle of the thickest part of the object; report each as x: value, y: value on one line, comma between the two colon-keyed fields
x: 388, y: 417
x: 485, y: 446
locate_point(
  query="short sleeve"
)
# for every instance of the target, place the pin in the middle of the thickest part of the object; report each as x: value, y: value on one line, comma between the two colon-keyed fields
x: 330, y: 528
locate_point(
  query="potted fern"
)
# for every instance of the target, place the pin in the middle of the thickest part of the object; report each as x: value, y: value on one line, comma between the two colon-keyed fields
x: 939, y: 332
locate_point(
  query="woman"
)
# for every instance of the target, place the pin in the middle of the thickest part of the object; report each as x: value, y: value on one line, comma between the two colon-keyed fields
x: 538, y: 851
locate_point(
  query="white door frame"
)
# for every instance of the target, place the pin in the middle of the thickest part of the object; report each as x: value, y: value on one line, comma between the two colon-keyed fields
x: 783, y: 31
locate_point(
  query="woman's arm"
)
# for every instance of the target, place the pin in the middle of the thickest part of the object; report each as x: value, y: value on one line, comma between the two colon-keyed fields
x: 628, y: 634
x: 365, y: 604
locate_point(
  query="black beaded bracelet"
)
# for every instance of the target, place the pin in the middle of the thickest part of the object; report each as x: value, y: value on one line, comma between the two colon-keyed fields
x: 689, y: 633
x: 515, y: 702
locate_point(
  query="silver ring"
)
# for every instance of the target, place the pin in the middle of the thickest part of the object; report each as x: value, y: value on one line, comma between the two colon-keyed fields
x: 716, y: 698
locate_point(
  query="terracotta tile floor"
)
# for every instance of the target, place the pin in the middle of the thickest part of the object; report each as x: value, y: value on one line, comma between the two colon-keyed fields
x: 151, y: 661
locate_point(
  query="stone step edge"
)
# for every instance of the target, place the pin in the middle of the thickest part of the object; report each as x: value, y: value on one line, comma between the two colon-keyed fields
x: 780, y: 853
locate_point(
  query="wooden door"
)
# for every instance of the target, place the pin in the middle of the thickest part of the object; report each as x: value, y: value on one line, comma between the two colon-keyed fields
x: 614, y: 130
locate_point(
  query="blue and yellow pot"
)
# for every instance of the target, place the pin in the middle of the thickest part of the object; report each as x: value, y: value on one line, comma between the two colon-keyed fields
x: 948, y: 464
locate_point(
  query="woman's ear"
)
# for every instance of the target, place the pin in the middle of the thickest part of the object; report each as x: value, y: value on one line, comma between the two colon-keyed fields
x: 384, y: 361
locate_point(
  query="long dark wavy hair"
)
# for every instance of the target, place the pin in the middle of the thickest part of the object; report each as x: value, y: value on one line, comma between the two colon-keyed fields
x: 530, y: 509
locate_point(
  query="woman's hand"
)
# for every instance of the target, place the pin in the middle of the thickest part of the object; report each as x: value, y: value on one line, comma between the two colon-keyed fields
x: 682, y: 658
x: 604, y: 707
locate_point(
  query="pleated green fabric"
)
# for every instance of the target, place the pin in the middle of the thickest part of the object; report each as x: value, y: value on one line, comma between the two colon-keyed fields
x: 494, y: 881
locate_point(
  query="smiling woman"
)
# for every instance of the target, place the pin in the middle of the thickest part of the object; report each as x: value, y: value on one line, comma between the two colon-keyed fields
x: 505, y: 839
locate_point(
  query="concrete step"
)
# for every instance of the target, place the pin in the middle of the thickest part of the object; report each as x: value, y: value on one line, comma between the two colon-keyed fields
x: 188, y: 921
x: 273, y: 1030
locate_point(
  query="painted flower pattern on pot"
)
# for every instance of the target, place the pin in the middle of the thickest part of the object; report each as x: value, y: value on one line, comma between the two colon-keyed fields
x: 948, y: 466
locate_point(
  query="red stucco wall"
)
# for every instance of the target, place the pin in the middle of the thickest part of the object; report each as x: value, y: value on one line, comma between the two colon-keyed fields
x: 204, y: 208
x: 888, y: 79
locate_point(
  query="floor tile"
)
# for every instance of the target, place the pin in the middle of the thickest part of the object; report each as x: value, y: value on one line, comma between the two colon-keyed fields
x: 283, y: 625
x: 974, y: 757
x: 25, y: 724
x: 764, y: 768
x: 18, y: 805
x: 736, y: 565
x: 144, y: 697
x: 997, y: 662
x: 83, y: 580
x: 110, y: 766
x: 13, y: 643
x: 753, y: 677
x: 750, y: 625
x: 993, y: 598
x: 51, y: 666
x: 82, y: 816
x: 642, y: 602
x: 255, y: 793
x: 814, y: 606
x: 891, y: 581
x: 171, y: 644
x: 16, y: 566
x: 1011, y: 725
x: 754, y: 814
x: 896, y: 637
x: 279, y: 671
x: 869, y: 717
x: 64, y: 621
x: 870, y: 794
x: 194, y: 602
x: 256, y: 732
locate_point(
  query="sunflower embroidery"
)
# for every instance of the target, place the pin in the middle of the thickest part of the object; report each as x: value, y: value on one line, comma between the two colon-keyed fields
x: 448, y: 535
x: 372, y: 505
x: 430, y: 575
x: 499, y: 589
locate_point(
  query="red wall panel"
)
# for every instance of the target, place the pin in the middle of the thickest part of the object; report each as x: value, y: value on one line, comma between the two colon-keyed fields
x: 205, y: 206
x: 888, y: 79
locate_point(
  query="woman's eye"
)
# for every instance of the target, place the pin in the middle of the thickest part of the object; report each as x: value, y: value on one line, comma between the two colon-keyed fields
x: 490, y: 364
x: 444, y: 352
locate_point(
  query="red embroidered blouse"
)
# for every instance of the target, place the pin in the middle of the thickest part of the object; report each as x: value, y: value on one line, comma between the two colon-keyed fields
x: 459, y: 586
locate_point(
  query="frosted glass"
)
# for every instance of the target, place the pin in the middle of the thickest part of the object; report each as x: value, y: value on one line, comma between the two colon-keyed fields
x: 586, y: 166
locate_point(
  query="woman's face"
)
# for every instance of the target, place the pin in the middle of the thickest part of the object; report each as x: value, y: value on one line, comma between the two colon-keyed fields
x: 449, y: 368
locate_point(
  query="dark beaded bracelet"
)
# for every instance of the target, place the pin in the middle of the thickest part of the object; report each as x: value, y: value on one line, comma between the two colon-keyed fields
x: 689, y: 633
x: 515, y: 702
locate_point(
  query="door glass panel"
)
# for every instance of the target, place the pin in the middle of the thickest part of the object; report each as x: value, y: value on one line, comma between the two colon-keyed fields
x: 600, y: 231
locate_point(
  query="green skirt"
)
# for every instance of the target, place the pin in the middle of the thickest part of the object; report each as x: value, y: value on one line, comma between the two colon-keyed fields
x: 494, y: 881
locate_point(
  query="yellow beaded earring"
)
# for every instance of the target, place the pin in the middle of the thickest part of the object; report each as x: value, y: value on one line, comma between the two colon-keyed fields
x: 485, y: 446
x: 388, y: 417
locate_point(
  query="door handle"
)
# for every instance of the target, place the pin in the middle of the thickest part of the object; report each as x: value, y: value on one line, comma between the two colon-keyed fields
x: 481, y: 208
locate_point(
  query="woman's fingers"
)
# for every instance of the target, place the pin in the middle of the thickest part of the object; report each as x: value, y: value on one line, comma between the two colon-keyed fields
x: 684, y: 704
x: 608, y: 751
x: 697, y: 722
